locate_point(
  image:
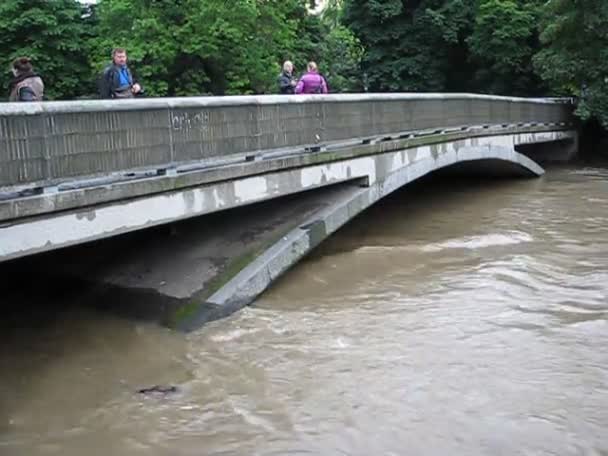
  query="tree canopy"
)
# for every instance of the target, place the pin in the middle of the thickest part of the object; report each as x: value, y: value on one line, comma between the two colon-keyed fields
x: 502, y: 43
x: 574, y: 57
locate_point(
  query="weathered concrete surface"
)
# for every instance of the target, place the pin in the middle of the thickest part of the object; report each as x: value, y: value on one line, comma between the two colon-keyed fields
x: 257, y: 276
x: 45, y: 144
x: 37, y: 234
x: 217, y: 264
x: 129, y: 185
x: 167, y: 274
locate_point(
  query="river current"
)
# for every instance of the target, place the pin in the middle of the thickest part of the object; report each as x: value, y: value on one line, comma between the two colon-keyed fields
x: 458, y: 317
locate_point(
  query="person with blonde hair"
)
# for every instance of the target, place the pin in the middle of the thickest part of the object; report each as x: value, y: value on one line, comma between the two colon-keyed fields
x: 311, y: 81
x: 287, y: 82
x: 25, y: 85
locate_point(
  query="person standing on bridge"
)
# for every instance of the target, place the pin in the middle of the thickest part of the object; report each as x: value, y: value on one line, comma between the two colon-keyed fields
x: 287, y: 83
x: 25, y: 85
x: 311, y: 81
x: 117, y: 80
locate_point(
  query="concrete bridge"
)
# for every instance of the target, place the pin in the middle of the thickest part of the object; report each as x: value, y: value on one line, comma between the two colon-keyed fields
x: 76, y: 172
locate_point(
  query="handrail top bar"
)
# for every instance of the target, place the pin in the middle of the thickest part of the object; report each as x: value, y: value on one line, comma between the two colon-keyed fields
x: 82, y: 106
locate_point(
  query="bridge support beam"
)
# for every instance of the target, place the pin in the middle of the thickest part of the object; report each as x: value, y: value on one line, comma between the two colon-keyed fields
x: 561, y: 151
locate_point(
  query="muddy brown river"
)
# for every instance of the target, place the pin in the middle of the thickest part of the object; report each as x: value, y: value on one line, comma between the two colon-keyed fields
x: 459, y: 317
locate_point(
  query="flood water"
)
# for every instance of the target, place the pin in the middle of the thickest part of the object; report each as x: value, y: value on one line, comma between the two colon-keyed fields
x: 459, y: 317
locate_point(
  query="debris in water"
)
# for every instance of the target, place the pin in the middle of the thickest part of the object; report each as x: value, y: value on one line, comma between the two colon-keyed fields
x: 160, y: 389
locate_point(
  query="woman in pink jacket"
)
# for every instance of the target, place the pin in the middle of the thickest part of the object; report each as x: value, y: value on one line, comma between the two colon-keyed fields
x: 311, y: 81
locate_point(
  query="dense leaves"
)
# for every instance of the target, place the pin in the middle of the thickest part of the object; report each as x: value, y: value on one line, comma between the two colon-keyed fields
x: 575, y: 57
x: 447, y: 45
x: 504, y: 39
x: 411, y: 45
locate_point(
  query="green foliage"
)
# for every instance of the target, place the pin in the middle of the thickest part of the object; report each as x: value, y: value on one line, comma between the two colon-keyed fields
x: 52, y: 34
x: 575, y: 53
x: 333, y: 12
x: 410, y: 45
x: 504, y: 39
x: 448, y: 45
x: 342, y: 58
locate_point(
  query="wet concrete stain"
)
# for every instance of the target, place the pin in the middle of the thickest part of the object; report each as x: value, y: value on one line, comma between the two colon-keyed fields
x: 89, y: 215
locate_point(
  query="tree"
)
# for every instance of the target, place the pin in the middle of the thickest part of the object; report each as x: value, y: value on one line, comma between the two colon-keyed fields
x: 504, y: 39
x: 342, y: 60
x: 52, y: 34
x: 333, y: 12
x: 574, y: 60
x: 411, y: 45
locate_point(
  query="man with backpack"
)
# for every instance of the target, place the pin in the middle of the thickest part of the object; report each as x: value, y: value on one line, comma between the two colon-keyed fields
x: 311, y: 81
x: 116, y: 80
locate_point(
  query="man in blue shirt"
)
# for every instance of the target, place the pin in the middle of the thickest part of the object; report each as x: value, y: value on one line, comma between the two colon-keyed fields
x: 116, y: 80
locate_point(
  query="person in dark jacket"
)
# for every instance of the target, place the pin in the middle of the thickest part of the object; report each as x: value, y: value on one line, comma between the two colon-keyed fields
x: 287, y: 83
x: 117, y: 80
x: 25, y: 85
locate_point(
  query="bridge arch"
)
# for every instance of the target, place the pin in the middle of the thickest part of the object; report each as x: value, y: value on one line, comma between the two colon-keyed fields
x: 489, y: 156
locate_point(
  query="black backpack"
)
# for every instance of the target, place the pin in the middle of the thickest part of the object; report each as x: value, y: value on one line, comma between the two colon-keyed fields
x: 319, y: 88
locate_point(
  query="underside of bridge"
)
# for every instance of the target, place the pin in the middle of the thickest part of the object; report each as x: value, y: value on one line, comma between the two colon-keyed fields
x: 205, y: 268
